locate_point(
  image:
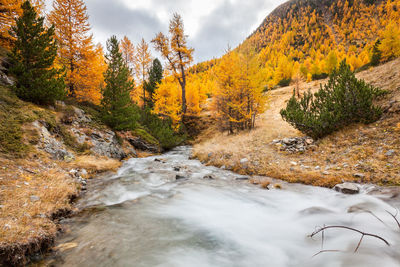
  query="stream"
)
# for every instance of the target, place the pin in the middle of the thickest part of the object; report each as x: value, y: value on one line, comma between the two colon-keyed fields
x: 144, y: 216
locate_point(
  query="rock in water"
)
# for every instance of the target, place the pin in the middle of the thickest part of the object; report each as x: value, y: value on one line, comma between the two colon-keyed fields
x: 347, y: 188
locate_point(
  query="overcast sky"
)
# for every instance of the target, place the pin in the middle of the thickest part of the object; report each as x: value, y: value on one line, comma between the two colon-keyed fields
x: 212, y: 25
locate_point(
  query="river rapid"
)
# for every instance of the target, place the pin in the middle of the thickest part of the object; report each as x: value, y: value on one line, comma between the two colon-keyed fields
x: 144, y: 216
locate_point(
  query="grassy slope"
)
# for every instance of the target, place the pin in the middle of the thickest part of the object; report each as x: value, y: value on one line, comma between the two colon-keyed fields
x: 361, y: 147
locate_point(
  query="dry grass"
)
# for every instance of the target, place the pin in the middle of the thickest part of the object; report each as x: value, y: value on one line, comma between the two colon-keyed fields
x: 34, y: 191
x: 359, y: 149
x: 95, y: 164
x: 30, y: 197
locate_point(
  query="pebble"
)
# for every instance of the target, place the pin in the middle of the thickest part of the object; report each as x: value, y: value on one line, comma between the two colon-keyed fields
x: 34, y: 198
x: 317, y: 168
x: 293, y: 163
x: 390, y: 153
x: 244, y: 160
x: 325, y: 173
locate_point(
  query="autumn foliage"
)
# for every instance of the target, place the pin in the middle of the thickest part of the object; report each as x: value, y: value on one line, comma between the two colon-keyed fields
x: 314, y: 36
x: 175, y: 51
x: 10, y: 10
x: 83, y: 60
x: 238, y: 98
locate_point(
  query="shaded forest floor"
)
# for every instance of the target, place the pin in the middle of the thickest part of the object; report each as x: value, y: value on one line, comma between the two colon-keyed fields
x: 360, y: 153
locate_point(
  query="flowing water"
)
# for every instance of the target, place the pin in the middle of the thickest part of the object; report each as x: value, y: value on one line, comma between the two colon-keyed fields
x: 143, y: 216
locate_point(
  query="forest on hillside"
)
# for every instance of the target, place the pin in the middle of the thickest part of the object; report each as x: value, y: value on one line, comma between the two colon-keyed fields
x: 299, y: 41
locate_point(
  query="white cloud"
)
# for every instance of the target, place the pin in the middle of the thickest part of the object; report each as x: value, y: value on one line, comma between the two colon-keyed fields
x: 210, y: 24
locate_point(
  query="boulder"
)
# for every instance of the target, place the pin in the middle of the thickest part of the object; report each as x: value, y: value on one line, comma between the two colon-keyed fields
x: 141, y: 144
x: 296, y: 144
x: 347, y: 188
x: 51, y: 145
x: 107, y: 145
x: 179, y: 177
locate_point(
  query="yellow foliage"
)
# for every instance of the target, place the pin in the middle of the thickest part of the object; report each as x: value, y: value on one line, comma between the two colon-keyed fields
x: 83, y: 61
x: 390, y: 46
x: 168, y: 98
x: 238, y: 98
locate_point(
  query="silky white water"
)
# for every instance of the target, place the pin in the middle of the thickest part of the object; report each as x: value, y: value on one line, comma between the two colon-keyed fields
x: 143, y: 216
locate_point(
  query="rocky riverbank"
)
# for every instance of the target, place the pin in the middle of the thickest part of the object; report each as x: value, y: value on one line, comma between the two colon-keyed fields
x: 47, y: 156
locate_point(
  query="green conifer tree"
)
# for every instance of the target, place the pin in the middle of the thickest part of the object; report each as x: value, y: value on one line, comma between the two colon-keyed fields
x: 118, y: 110
x: 32, y: 59
x: 155, y: 77
x: 376, y: 54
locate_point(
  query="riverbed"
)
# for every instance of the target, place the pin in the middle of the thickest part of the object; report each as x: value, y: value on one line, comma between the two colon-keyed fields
x: 169, y: 210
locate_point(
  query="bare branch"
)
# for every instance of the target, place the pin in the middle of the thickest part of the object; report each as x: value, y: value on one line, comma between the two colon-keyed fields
x: 359, y: 243
x: 394, y: 217
x: 351, y: 229
x: 324, y: 251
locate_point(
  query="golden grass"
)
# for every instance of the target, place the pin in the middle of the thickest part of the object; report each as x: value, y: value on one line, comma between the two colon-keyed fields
x: 29, y: 197
x: 95, y: 164
x: 359, y: 149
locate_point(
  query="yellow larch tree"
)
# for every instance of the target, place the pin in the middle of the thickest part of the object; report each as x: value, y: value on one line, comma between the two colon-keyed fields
x: 175, y: 51
x: 142, y: 64
x: 390, y: 45
x: 167, y: 98
x: 76, y: 50
x: 128, y: 52
x: 90, y: 79
x: 238, y: 98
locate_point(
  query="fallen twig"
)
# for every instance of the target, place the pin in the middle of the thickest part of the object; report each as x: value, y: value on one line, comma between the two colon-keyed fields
x: 395, y: 217
x: 363, y: 234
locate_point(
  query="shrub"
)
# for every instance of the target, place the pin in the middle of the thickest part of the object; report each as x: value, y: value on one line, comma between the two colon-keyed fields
x: 342, y: 101
x: 162, y: 130
x: 285, y: 82
x: 376, y: 54
x: 319, y: 76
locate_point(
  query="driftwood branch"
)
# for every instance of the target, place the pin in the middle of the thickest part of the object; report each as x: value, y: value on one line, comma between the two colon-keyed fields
x: 395, y: 217
x: 363, y: 234
x: 326, y: 250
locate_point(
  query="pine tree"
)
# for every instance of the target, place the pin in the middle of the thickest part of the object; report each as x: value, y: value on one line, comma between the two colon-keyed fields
x: 376, y: 54
x: 342, y: 101
x: 118, y: 110
x: 155, y: 78
x: 9, y: 11
x: 32, y: 59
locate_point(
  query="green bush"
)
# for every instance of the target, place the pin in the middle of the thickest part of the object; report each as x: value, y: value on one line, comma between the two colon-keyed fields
x: 285, y: 82
x: 342, y: 101
x: 376, y: 54
x: 319, y: 76
x: 162, y: 130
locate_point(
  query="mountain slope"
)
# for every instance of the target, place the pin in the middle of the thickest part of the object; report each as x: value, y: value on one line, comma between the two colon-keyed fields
x: 310, y: 37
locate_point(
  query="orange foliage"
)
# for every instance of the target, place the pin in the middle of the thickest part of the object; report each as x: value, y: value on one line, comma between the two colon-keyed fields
x: 76, y: 52
x: 168, y: 98
x: 320, y: 36
x: 177, y: 54
x: 142, y: 65
x: 9, y: 11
